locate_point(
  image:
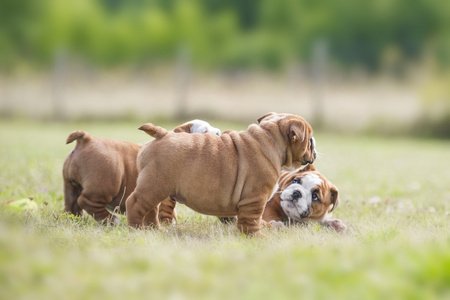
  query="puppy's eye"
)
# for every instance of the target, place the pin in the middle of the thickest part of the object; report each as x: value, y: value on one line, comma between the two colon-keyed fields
x: 295, y: 180
x: 315, y: 197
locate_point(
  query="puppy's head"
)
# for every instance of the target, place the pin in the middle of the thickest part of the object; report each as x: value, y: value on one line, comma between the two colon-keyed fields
x: 306, y: 195
x: 298, y: 134
x: 197, y: 126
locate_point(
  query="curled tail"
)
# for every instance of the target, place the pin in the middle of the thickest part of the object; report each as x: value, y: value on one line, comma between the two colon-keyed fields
x: 154, y: 131
x: 78, y: 135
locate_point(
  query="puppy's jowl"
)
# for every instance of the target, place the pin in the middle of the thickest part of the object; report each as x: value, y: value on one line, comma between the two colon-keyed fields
x: 99, y: 174
x: 228, y: 175
x: 304, y: 195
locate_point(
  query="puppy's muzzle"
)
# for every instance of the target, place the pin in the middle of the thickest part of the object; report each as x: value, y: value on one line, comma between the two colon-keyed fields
x: 294, y: 202
x: 306, y: 214
x: 292, y: 194
x: 296, y: 195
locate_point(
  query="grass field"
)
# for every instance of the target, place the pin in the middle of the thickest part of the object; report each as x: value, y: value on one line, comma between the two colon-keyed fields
x: 395, y: 197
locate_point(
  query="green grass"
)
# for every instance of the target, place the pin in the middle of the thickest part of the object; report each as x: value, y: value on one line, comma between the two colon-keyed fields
x: 395, y: 197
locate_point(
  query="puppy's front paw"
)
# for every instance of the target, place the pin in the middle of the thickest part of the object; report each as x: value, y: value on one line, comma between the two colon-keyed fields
x: 167, y: 221
x: 336, y: 224
x: 277, y: 224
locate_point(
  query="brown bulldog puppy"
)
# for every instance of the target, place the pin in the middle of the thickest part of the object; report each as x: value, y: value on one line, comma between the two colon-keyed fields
x: 303, y: 195
x: 99, y: 174
x: 228, y: 175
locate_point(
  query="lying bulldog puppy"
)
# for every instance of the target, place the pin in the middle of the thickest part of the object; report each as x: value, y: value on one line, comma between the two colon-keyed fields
x: 99, y: 174
x: 228, y: 175
x: 303, y: 195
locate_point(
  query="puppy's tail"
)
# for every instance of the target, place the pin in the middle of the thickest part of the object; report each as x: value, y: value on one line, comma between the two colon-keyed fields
x: 154, y: 131
x: 79, y: 136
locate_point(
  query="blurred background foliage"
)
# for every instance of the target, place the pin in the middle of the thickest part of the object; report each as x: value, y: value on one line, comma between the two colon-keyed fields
x: 224, y: 34
x: 243, y: 46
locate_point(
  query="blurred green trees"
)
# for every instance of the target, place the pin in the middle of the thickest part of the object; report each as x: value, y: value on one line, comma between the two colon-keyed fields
x: 224, y: 34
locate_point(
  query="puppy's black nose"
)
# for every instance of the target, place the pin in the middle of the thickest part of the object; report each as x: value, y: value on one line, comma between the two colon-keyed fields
x: 296, y: 195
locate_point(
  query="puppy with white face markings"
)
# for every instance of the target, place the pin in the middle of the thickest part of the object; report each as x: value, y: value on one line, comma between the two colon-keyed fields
x: 303, y: 195
x: 296, y: 199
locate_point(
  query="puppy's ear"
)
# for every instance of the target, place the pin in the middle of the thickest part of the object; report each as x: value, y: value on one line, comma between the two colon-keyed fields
x: 334, y: 198
x: 307, y: 168
x: 311, y: 167
x: 284, y: 177
x: 265, y: 116
x: 297, y: 132
x: 183, y: 128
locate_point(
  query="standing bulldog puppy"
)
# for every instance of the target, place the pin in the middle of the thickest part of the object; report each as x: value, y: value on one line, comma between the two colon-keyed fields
x: 99, y: 174
x: 304, y: 195
x: 228, y: 175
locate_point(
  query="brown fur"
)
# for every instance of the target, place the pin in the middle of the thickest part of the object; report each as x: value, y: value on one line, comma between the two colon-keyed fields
x: 319, y: 212
x: 100, y: 173
x: 225, y: 176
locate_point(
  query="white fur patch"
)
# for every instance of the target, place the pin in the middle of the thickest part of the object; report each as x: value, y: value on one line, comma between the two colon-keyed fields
x: 275, y: 189
x: 277, y: 224
x: 276, y: 118
x: 310, y: 181
x: 295, y: 207
x: 200, y: 126
x: 313, y: 140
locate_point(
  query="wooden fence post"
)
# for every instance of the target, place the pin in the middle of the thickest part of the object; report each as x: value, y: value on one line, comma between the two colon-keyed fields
x: 182, y: 78
x: 319, y: 70
x: 58, y: 78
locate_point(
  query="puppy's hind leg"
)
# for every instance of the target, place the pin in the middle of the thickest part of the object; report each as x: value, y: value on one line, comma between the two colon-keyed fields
x: 249, y: 216
x: 71, y: 194
x: 167, y: 213
x: 94, y: 205
x: 142, y: 206
x: 142, y: 211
